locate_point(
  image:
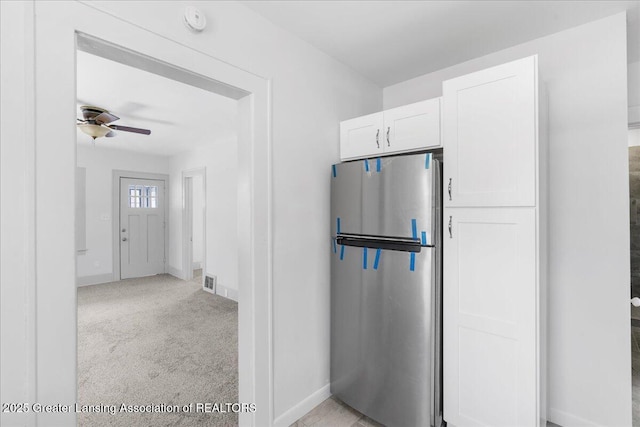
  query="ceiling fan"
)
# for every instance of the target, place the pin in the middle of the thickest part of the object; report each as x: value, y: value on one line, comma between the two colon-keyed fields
x: 96, y: 123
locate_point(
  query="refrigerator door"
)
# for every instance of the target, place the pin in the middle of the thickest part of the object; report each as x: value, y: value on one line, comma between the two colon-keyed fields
x: 388, y: 196
x: 382, y: 333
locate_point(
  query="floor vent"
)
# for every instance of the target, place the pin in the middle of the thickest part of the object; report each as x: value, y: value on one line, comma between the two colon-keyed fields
x: 210, y: 284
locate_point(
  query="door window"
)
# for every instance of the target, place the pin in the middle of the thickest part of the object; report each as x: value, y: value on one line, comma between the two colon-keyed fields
x: 143, y: 196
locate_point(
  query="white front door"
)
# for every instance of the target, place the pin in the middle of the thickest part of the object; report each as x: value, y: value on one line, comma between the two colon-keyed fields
x: 142, y: 251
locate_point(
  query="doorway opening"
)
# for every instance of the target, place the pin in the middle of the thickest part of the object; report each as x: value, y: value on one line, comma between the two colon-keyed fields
x: 194, y: 235
x: 80, y: 27
x: 146, y: 319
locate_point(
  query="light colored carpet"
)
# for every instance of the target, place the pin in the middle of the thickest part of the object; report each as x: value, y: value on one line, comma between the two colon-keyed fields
x: 156, y: 340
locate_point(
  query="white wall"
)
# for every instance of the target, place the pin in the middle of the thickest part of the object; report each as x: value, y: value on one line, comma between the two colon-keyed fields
x: 311, y: 93
x: 633, y: 91
x: 96, y: 264
x: 221, y: 162
x: 17, y: 278
x: 589, y: 332
x: 220, y: 159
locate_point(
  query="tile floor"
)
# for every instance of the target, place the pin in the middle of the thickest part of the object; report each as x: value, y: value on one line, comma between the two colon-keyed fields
x: 334, y: 413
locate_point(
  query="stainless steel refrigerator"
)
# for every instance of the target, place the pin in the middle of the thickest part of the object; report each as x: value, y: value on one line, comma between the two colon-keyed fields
x: 386, y: 288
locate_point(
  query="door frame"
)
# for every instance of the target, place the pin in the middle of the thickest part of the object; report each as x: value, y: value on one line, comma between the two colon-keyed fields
x: 115, y: 214
x: 187, y: 222
x: 57, y: 32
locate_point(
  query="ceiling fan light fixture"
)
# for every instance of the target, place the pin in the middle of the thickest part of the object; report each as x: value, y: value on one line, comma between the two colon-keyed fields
x: 97, y: 123
x: 94, y: 131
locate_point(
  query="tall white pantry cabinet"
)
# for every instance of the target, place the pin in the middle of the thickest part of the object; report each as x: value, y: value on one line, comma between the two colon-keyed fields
x: 494, y: 247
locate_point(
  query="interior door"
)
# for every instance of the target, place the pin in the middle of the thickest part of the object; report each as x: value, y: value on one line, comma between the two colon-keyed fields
x: 142, y: 223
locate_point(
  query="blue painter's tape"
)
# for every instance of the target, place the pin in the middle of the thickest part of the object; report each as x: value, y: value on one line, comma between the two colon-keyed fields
x: 427, y: 161
x: 378, y: 164
x: 366, y: 165
x: 341, y: 252
x: 412, y: 262
x: 377, y: 260
x: 335, y: 248
x: 414, y: 228
x: 364, y: 258
x: 424, y: 237
x: 334, y: 171
x: 338, y: 225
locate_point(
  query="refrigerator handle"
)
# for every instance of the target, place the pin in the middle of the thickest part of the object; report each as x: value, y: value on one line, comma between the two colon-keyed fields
x: 450, y: 233
x: 450, y: 179
x: 378, y: 138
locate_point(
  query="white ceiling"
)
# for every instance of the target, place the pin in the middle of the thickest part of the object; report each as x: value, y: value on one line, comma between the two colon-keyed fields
x: 181, y: 117
x: 392, y: 41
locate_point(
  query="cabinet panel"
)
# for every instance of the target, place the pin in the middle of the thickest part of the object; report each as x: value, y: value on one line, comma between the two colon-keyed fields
x: 361, y: 137
x: 490, y: 136
x: 487, y: 359
x: 490, y: 300
x: 413, y: 126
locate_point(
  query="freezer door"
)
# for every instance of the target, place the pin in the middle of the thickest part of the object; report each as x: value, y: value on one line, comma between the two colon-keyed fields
x: 388, y: 196
x: 382, y: 333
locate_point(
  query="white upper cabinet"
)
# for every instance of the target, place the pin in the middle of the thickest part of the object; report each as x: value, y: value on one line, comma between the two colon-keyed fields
x: 412, y: 127
x: 362, y: 137
x: 408, y: 128
x: 490, y: 136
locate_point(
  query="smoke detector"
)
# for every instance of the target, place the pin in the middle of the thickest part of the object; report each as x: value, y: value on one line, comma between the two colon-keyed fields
x: 194, y: 19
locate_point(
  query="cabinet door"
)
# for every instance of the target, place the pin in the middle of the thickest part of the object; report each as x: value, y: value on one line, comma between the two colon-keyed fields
x: 490, y: 136
x: 412, y: 126
x: 361, y: 137
x: 490, y: 317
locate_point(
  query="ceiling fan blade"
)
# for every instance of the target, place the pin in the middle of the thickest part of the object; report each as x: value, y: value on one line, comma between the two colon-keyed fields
x: 130, y: 129
x: 105, y: 117
x: 89, y: 112
x: 132, y: 111
x: 111, y: 134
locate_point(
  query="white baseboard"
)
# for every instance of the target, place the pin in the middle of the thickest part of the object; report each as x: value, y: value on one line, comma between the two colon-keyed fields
x: 230, y: 293
x: 94, y: 280
x: 562, y: 418
x: 221, y: 290
x: 301, y: 409
x: 176, y: 273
